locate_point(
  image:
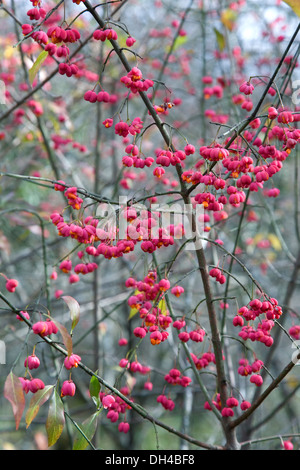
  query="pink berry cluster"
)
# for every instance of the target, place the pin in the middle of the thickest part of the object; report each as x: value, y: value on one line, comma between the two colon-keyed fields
x: 45, y: 328
x: 116, y: 407
x: 102, y: 97
x: 133, y: 158
x: 166, y: 402
x: 35, y: 107
x: 175, y: 377
x: 245, y: 369
x: 70, y: 193
x: 56, y: 34
x: 218, y: 275
x: 105, y: 34
x: 214, y: 153
x: 215, y: 90
x: 123, y: 128
x: 247, y: 88
x: 146, y: 300
x: 197, y: 335
x: 68, y: 387
x: 135, y: 82
x: 55, y: 40
x: 31, y: 385
x: 266, y: 311
x: 165, y: 158
x: 231, y: 404
x: 68, y: 69
x: 203, y: 360
x: 240, y: 172
x: 37, y: 12
x: 66, y: 267
x: 32, y: 362
x: 135, y: 366
x: 141, y: 229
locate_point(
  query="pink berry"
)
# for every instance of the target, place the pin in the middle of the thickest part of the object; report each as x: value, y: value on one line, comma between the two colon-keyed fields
x: 32, y: 362
x: 107, y: 401
x: 68, y: 388
x: 11, y: 285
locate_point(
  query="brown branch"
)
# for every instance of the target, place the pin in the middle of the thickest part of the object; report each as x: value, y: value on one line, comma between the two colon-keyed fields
x: 265, y: 394
x: 216, y: 340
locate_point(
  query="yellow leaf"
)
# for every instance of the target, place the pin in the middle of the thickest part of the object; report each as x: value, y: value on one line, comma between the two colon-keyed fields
x: 275, y: 242
x: 37, y: 65
x: 132, y: 313
x: 9, y: 52
x: 228, y: 18
x: 163, y: 307
x: 220, y: 39
x: 295, y: 5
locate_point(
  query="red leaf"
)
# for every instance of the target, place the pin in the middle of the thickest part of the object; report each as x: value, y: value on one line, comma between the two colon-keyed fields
x: 13, y: 392
x: 66, y: 337
x: 38, y: 399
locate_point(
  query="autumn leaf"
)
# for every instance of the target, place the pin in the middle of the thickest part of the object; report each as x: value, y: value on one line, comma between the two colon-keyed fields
x: 295, y: 5
x: 13, y: 392
x: 38, y: 399
x: 228, y: 18
x: 66, y: 337
x: 275, y: 242
x: 56, y: 419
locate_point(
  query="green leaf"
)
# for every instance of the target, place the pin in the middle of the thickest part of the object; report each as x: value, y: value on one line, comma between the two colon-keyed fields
x: 38, y: 399
x: 86, y: 432
x: 56, y: 419
x: 13, y: 392
x: 179, y: 41
x: 74, y: 308
x: 132, y: 313
x: 295, y: 5
x: 94, y: 387
x: 37, y: 65
x: 220, y: 39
